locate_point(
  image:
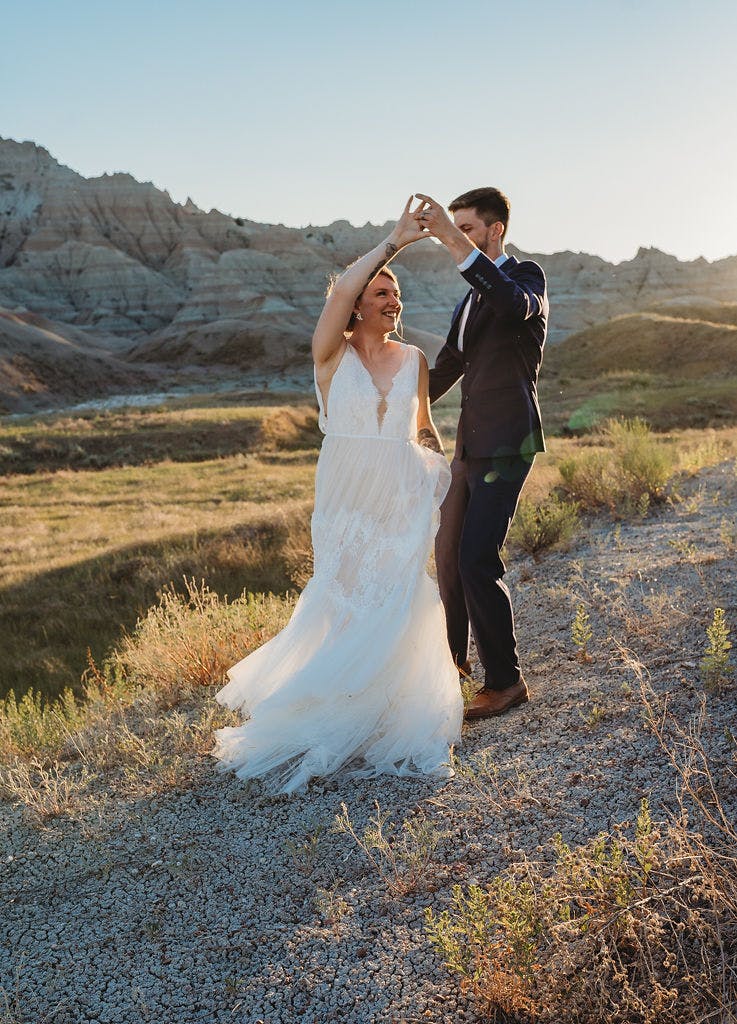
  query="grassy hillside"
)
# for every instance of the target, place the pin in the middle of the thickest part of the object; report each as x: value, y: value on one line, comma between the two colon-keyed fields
x: 86, y: 550
x: 98, y: 514
x: 676, y: 366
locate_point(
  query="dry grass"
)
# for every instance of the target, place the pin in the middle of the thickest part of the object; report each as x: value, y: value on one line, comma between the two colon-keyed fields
x: 143, y: 437
x: 657, y: 344
x: 184, y: 643
x: 84, y: 553
x: 147, y: 715
x: 671, y: 366
x: 638, y: 925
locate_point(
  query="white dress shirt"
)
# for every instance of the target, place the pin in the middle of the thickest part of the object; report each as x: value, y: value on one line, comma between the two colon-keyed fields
x: 501, y: 258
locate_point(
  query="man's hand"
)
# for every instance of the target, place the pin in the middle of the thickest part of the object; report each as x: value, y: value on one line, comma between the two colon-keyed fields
x: 407, y: 229
x: 431, y: 216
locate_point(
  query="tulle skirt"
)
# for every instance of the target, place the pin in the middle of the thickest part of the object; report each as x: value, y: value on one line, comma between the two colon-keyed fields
x: 361, y: 680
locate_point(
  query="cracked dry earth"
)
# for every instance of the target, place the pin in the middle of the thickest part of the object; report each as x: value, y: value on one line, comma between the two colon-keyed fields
x: 219, y: 904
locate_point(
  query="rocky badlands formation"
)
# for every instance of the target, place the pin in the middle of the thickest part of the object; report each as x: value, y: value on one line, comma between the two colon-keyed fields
x: 105, y: 282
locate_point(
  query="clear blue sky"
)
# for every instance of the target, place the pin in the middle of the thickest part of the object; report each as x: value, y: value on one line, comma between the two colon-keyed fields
x: 610, y: 124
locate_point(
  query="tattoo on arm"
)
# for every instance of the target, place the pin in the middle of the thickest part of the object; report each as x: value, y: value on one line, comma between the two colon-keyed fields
x: 391, y: 250
x: 429, y: 439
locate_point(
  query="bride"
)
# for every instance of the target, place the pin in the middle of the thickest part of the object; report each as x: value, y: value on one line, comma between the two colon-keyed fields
x: 361, y: 679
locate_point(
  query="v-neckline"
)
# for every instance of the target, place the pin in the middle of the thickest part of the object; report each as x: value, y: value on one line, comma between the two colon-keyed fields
x: 383, y: 396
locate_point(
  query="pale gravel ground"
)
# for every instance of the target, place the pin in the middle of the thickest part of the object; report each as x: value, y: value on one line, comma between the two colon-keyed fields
x: 188, y: 907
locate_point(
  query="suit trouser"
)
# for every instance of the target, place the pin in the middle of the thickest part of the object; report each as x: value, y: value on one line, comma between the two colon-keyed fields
x: 474, y: 521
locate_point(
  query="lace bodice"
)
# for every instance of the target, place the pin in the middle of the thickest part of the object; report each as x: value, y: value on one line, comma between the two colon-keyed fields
x: 355, y: 404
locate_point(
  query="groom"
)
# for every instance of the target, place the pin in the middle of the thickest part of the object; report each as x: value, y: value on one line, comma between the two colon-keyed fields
x: 495, y: 344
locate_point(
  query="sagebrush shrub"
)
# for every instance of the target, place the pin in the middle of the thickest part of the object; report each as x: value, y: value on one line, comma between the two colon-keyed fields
x: 634, y: 926
x: 539, y: 526
x: 189, y: 641
x: 34, y: 725
x: 626, y: 479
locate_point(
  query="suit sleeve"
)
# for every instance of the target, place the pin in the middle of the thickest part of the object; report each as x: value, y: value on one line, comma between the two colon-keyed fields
x: 517, y: 298
x: 447, y: 370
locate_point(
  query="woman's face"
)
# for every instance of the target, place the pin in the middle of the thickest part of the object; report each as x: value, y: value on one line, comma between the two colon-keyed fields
x: 380, y: 305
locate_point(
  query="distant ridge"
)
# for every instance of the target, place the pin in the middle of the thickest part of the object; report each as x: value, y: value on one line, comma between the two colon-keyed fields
x: 157, y: 284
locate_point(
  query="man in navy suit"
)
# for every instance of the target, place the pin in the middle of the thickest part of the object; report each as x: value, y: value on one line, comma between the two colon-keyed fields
x: 495, y: 345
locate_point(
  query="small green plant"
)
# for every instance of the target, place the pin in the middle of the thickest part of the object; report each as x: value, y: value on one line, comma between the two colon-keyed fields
x: 400, y: 856
x: 642, y: 505
x: 488, y: 937
x: 34, y: 726
x: 685, y: 549
x: 595, y: 714
x: 646, y: 843
x: 539, y: 527
x: 582, y: 633
x: 330, y: 905
x: 469, y: 689
x: 305, y: 854
x: 715, y: 666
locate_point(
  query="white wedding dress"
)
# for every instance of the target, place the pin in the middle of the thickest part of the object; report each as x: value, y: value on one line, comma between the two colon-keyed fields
x: 361, y: 679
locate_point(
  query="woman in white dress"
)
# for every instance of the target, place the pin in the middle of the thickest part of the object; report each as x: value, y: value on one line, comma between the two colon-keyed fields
x: 361, y: 680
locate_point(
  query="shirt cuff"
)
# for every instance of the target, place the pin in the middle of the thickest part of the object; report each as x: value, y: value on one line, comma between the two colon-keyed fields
x: 468, y: 260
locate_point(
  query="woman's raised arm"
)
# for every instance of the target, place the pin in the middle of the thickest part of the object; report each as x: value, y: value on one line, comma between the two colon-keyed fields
x: 329, y: 332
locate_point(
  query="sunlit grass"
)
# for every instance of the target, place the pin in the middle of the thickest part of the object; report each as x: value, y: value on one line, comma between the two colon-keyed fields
x: 84, y: 552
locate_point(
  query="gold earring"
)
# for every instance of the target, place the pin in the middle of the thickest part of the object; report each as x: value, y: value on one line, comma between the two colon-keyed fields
x: 358, y: 316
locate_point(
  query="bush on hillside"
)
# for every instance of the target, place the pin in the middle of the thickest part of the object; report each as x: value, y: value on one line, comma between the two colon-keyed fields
x: 627, y: 477
x: 540, y: 526
x: 189, y: 641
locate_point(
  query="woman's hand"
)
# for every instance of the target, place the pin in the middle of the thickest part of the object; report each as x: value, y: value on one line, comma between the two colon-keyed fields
x: 407, y: 229
x: 432, y: 217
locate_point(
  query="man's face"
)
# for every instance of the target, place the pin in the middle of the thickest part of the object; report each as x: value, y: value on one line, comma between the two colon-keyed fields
x: 475, y: 229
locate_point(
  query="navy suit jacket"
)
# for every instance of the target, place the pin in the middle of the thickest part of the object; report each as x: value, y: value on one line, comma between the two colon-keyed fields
x: 502, y: 351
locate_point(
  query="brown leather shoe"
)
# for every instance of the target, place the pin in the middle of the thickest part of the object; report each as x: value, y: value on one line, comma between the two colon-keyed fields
x: 489, y: 703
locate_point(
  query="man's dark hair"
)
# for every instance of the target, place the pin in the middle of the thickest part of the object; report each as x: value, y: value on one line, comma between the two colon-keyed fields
x: 489, y: 203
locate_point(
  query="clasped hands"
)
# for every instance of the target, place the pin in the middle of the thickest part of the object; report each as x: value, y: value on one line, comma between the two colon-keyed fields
x: 428, y: 220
